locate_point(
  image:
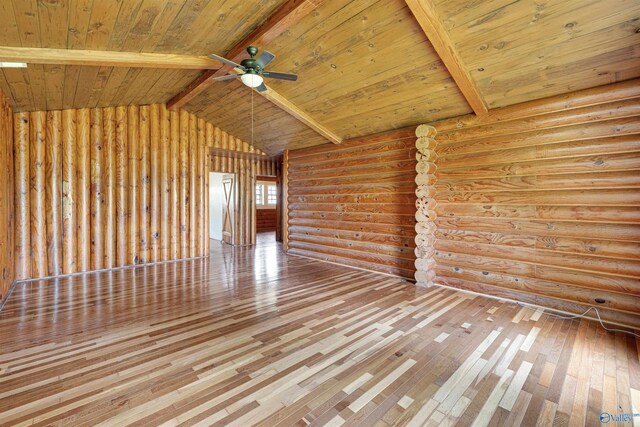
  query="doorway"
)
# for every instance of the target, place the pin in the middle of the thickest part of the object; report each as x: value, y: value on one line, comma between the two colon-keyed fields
x: 267, y: 201
x: 221, y: 206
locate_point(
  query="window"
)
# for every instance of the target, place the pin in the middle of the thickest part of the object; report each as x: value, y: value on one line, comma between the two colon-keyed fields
x: 259, y: 194
x: 266, y: 195
x: 272, y: 195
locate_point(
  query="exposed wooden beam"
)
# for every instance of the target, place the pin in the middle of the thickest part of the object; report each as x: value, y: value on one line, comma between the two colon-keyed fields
x: 287, y: 15
x: 425, y: 13
x: 101, y: 58
x: 296, y: 112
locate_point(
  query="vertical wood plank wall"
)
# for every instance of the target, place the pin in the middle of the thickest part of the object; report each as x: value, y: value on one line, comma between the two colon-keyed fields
x: 7, y: 223
x: 100, y: 188
x: 541, y: 202
x: 228, y: 154
x: 354, y: 203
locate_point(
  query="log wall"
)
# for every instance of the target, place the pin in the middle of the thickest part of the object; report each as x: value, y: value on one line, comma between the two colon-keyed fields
x: 105, y: 187
x: 354, y: 203
x: 265, y: 220
x: 234, y: 156
x: 7, y: 223
x: 541, y: 202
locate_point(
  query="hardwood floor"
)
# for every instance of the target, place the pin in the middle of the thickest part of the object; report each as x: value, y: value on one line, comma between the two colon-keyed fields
x: 253, y: 336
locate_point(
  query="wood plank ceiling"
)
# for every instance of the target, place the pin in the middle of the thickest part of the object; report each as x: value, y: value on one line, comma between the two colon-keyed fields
x: 180, y: 26
x: 525, y: 50
x: 365, y: 66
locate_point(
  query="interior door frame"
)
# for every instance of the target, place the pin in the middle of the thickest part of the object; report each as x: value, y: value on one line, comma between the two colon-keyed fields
x: 229, y: 208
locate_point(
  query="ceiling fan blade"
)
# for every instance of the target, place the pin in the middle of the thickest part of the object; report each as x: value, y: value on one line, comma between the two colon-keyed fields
x: 227, y: 77
x: 261, y: 88
x: 225, y: 60
x: 265, y: 58
x: 280, y: 76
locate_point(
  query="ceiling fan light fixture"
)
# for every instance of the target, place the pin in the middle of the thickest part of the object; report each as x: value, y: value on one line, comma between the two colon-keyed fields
x: 251, y: 80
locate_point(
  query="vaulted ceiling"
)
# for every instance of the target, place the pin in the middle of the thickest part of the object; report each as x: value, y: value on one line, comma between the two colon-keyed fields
x: 364, y: 66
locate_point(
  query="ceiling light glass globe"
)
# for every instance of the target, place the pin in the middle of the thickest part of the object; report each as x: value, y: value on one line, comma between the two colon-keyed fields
x: 251, y: 80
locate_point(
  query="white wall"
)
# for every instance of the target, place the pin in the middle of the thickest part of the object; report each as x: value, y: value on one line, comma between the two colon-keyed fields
x: 216, y: 203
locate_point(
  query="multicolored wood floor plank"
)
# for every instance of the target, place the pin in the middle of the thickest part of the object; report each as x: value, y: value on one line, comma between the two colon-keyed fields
x: 254, y: 337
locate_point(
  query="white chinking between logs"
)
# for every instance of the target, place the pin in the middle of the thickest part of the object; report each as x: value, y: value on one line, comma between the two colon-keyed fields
x: 425, y: 205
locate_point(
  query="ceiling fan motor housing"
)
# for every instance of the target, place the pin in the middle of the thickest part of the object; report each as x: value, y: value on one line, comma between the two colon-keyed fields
x: 251, y: 65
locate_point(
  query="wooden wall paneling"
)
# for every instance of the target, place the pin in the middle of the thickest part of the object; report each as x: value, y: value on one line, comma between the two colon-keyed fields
x: 22, y: 195
x: 69, y: 192
x: 209, y: 143
x: 154, y: 183
x: 367, y: 190
x: 105, y: 183
x: 193, y: 187
x: 285, y: 201
x: 7, y: 200
x: 199, y: 188
x: 38, y: 226
x: 537, y: 202
x: 217, y: 141
x: 175, y: 169
x: 109, y: 150
x: 133, y: 214
x: 9, y: 273
x: 165, y: 184
x: 53, y: 193
x: 123, y: 256
x: 83, y: 175
x: 252, y: 193
x: 144, y: 208
x: 279, y: 203
x: 184, y: 184
x: 240, y: 218
x: 97, y: 189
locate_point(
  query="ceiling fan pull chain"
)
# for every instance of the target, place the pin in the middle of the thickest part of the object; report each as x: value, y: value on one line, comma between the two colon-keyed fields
x: 252, y: 119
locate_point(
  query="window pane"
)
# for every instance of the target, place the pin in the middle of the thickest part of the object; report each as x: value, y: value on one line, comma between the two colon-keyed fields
x: 272, y: 195
x: 259, y: 196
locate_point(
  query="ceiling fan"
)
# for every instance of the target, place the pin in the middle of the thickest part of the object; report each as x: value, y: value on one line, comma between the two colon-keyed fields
x: 253, y: 69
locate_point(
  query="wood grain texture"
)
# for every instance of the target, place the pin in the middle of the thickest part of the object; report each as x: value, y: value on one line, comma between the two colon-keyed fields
x: 362, y: 178
x: 53, y: 173
x: 133, y: 137
x: 154, y: 182
x: 109, y: 152
x: 209, y: 341
x: 39, y: 262
x: 183, y: 198
x: 193, y: 187
x: 97, y: 190
x: 122, y: 187
x: 541, y: 207
x: 175, y: 185
x: 83, y: 147
x: 165, y: 185
x: 144, y: 185
x: 12, y: 248
x: 69, y: 192
x: 96, y: 179
x: 287, y: 15
x: 515, y: 54
x: 22, y: 206
x: 238, y: 157
x: 425, y: 13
